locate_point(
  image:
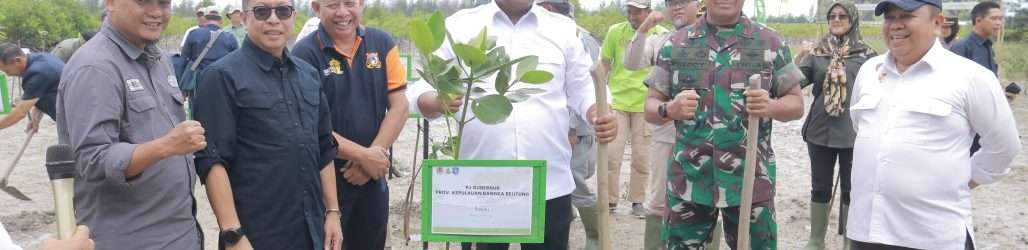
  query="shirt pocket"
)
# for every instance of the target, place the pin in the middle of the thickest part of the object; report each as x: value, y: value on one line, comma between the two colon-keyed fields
x: 863, y: 110
x: 141, y: 103
x: 310, y: 111
x: 924, y: 121
x: 139, y: 118
x: 257, y: 111
x: 256, y: 99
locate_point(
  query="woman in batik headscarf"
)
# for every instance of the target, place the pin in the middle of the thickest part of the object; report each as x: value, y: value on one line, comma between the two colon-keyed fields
x: 831, y: 68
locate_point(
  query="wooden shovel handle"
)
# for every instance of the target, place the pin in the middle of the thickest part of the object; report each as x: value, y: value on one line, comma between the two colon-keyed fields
x: 749, y: 172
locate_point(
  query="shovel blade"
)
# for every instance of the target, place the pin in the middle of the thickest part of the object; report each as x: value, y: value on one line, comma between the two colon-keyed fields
x: 14, y: 192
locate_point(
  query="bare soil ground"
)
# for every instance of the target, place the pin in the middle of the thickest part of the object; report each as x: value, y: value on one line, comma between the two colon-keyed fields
x: 1000, y: 209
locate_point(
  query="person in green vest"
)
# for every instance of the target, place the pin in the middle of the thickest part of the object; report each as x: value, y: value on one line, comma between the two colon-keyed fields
x: 629, y: 92
x: 66, y: 48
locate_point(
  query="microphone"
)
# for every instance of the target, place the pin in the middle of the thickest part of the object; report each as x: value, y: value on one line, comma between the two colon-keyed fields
x: 60, y: 165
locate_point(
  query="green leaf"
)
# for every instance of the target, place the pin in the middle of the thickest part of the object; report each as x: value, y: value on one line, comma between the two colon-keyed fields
x: 489, y: 70
x: 490, y: 42
x: 437, y: 24
x: 422, y: 36
x: 493, y: 58
x: 517, y: 97
x: 530, y: 91
x: 448, y: 83
x: 472, y: 56
x: 436, y: 64
x: 536, y: 77
x: 477, y: 92
x: 503, y: 81
x: 527, y: 64
x: 492, y: 109
x: 480, y: 40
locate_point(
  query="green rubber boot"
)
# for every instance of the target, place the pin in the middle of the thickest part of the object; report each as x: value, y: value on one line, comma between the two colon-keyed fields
x: 591, y: 225
x: 651, y: 238
x: 818, y: 226
x: 844, y: 211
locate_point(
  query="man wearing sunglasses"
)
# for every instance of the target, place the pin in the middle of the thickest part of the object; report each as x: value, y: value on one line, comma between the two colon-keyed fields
x: 119, y: 108
x: 364, y: 82
x: 268, y: 165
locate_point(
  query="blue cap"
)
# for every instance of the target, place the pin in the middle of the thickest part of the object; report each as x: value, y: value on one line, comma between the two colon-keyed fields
x: 906, y: 5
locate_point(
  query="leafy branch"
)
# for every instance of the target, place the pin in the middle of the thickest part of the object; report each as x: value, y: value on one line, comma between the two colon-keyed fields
x: 474, y: 62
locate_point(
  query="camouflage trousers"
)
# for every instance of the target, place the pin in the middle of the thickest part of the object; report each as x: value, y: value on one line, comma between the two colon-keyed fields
x: 689, y: 225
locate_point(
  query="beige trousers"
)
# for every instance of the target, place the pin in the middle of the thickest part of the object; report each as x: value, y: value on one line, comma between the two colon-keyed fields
x: 632, y: 126
x: 660, y: 153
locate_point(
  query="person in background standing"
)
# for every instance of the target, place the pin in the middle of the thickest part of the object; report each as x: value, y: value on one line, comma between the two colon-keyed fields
x: 641, y: 54
x: 629, y: 93
x: 238, y: 28
x: 950, y: 30
x: 582, y: 139
x: 830, y: 68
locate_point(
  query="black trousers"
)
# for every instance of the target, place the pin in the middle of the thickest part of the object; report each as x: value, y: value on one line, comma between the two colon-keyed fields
x: 558, y: 226
x: 857, y: 245
x: 975, y: 146
x: 365, y: 213
x: 822, y: 171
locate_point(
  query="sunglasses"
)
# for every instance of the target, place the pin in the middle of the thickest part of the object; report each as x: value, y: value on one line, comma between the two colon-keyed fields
x: 839, y: 17
x: 264, y: 12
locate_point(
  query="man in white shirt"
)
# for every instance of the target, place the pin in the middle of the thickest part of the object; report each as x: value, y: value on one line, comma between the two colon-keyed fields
x: 537, y: 128
x: 915, y: 110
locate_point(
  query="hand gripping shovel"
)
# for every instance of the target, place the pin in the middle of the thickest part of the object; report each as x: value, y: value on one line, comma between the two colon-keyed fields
x: 10, y: 169
x: 599, y: 74
x: 746, y: 205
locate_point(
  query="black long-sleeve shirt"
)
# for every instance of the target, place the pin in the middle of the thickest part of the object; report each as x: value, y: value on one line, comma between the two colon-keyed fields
x: 268, y: 123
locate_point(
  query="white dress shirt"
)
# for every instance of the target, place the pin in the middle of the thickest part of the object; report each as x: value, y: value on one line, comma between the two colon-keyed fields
x: 309, y: 27
x: 537, y: 128
x: 910, y: 159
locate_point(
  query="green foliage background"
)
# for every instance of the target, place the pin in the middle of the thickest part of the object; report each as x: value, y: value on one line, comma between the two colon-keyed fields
x: 43, y: 23
x: 40, y: 24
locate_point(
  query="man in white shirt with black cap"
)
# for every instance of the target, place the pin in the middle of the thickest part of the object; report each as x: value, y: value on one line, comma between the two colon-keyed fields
x: 915, y: 110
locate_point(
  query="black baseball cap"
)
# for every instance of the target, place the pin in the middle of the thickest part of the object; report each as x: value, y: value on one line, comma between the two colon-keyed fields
x: 1013, y: 88
x: 907, y: 5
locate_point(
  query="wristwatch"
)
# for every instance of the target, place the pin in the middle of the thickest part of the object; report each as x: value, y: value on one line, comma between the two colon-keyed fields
x: 333, y: 210
x: 662, y: 110
x: 232, y: 236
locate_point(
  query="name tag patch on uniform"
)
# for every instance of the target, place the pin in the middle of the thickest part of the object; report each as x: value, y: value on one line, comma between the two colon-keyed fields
x: 372, y: 59
x: 172, y: 81
x: 133, y: 85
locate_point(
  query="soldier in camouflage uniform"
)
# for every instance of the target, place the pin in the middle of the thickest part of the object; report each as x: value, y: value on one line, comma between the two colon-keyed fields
x: 706, y: 68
